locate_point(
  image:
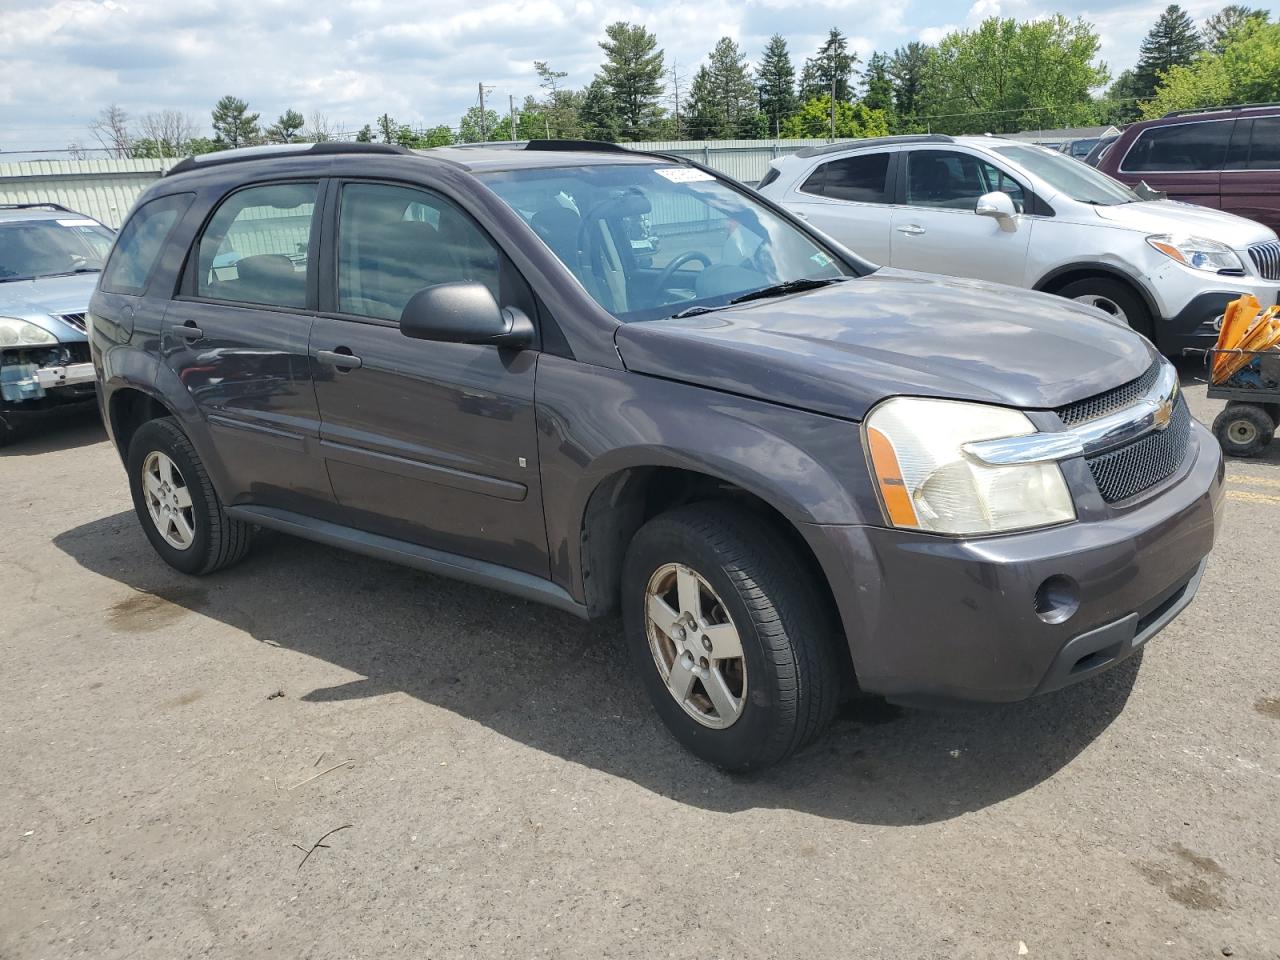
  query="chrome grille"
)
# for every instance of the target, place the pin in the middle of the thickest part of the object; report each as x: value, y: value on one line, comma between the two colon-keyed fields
x: 1266, y: 257
x: 1138, y: 466
x: 1111, y: 401
x: 75, y: 319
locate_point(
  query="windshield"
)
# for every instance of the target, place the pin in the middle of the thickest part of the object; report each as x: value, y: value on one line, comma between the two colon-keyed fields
x: 30, y: 249
x: 650, y: 241
x: 1077, y: 180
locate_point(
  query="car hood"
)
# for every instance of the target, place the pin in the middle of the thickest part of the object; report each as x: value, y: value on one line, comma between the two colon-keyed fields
x: 42, y: 301
x: 1170, y: 216
x: 841, y: 349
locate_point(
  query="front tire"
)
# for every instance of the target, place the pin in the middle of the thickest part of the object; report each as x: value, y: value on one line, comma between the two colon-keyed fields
x: 733, y: 641
x: 1113, y: 297
x: 176, y: 504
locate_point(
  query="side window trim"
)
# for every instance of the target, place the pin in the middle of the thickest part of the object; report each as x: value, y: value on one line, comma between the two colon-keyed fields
x: 142, y: 290
x: 1028, y: 195
x: 1121, y: 168
x: 187, y: 286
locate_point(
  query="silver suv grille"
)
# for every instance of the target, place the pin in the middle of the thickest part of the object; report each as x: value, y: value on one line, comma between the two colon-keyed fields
x: 1129, y: 470
x: 1266, y: 257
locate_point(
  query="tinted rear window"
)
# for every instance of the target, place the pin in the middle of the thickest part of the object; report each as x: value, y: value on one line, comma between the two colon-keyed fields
x: 861, y: 178
x: 1264, y: 148
x: 138, y: 247
x: 1183, y: 147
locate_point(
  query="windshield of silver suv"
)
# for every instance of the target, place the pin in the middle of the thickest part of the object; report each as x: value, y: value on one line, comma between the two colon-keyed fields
x: 1078, y: 181
x: 31, y: 249
x: 649, y: 241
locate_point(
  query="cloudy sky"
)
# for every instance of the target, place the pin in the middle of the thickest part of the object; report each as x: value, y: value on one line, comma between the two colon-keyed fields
x: 63, y: 60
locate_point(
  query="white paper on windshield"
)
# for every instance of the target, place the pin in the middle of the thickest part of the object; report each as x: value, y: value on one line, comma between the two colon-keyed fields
x: 78, y: 223
x: 683, y: 174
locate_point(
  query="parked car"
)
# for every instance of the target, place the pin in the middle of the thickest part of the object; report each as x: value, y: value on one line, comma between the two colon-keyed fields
x: 1099, y: 149
x: 1080, y: 148
x: 49, y: 260
x: 996, y: 209
x: 1227, y: 158
x: 792, y: 471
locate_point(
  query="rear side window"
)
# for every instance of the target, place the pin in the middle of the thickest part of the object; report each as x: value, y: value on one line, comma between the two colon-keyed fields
x: 860, y: 178
x: 1184, y: 147
x: 1264, y: 147
x: 140, y: 242
x: 255, y: 249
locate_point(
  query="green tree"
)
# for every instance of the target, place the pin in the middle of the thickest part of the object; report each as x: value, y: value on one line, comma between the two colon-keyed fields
x: 776, y: 83
x: 877, y: 87
x: 365, y: 135
x: 722, y: 100
x: 1247, y: 71
x: 198, y: 145
x: 1120, y: 103
x: 387, y: 128
x: 632, y: 73
x: 1007, y: 76
x: 907, y: 69
x: 831, y: 70
x: 598, y: 113
x: 1219, y: 28
x: 437, y: 136
x: 813, y: 119
x: 558, y: 111
x: 1174, y: 41
x: 477, y: 128
x: 287, y: 127
x: 233, y: 124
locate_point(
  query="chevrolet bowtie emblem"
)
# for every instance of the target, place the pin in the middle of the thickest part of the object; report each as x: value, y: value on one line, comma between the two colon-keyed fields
x: 1163, y: 414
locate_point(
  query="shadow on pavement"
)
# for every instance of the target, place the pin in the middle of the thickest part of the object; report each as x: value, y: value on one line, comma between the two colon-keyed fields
x: 61, y: 431
x: 550, y: 681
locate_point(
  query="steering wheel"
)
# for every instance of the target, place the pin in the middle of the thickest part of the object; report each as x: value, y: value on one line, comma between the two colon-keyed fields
x: 670, y: 269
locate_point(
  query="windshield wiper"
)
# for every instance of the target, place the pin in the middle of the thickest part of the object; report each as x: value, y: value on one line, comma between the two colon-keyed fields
x: 787, y: 286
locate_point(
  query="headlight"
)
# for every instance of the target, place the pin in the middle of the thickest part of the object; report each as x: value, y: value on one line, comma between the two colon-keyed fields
x: 1197, y: 252
x: 20, y: 333
x: 928, y: 482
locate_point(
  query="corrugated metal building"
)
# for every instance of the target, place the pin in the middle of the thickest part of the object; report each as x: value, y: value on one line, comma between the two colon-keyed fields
x: 106, y: 189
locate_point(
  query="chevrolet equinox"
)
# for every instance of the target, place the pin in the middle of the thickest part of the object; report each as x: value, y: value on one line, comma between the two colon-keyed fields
x: 795, y: 474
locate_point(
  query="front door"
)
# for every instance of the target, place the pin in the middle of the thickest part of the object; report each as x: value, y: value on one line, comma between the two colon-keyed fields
x: 427, y: 442
x: 936, y: 229
x: 237, y: 340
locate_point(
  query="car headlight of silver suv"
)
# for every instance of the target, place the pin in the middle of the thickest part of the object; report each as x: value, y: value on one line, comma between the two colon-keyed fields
x: 1198, y: 253
x: 928, y: 482
x: 22, y: 333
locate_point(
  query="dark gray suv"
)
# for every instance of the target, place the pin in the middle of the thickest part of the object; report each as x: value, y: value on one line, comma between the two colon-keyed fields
x: 794, y: 474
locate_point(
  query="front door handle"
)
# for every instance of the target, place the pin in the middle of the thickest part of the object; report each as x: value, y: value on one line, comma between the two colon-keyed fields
x: 189, y: 331
x: 911, y: 229
x: 342, y: 358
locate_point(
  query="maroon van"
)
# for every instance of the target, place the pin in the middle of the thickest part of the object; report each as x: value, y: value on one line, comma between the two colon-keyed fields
x: 1227, y: 158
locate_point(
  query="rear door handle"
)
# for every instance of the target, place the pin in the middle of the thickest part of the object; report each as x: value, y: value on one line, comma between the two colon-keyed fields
x: 341, y: 358
x: 189, y: 331
x: 911, y: 229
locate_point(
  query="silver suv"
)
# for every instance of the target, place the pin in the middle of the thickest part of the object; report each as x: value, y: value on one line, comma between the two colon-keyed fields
x: 50, y: 258
x: 996, y: 209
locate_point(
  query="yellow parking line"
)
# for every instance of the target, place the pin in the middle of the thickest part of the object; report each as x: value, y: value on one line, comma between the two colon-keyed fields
x: 1250, y: 497
x: 1253, y: 481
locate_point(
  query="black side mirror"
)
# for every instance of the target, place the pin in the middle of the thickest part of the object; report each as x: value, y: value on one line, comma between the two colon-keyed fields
x: 464, y: 312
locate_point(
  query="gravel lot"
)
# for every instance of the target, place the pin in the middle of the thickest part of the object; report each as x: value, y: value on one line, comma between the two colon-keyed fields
x: 171, y: 748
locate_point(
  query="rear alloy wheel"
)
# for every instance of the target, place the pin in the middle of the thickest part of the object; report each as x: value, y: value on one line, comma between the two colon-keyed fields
x: 1114, y: 298
x: 733, y: 640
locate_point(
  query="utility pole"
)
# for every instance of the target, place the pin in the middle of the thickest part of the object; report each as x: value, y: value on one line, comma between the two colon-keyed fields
x: 833, y: 106
x: 484, y: 120
x: 511, y: 107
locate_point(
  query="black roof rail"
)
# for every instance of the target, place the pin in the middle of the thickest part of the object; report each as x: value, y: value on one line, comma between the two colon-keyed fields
x: 1224, y: 109
x: 244, y: 154
x: 56, y: 207
x: 593, y: 146
x: 874, y: 142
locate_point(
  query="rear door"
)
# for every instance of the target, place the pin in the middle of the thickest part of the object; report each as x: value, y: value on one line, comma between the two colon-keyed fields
x: 428, y: 442
x: 936, y: 229
x: 848, y: 199
x: 237, y: 340
x: 1251, y: 180
x: 1183, y: 159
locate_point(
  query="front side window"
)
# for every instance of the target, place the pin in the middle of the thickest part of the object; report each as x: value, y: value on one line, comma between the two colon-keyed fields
x: 31, y: 249
x: 1183, y: 147
x: 648, y: 241
x: 1078, y: 181
x: 394, y: 241
x: 947, y: 178
x: 254, y: 250
x: 861, y: 178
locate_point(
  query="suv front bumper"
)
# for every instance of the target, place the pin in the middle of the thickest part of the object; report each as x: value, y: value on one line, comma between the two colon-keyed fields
x: 932, y: 618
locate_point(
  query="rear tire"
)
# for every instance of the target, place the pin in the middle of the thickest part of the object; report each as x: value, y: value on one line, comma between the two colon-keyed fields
x: 1113, y: 297
x: 788, y: 678
x: 176, y: 504
x: 1244, y: 430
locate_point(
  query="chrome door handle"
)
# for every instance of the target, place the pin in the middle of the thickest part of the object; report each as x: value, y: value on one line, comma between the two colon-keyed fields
x: 911, y: 229
x: 189, y: 331
x: 341, y: 358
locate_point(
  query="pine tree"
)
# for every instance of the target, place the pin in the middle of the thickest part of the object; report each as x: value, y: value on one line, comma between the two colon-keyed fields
x: 597, y: 113
x: 1219, y: 28
x: 733, y: 96
x: 632, y: 73
x: 1172, y: 42
x: 233, y: 124
x: 287, y: 127
x: 907, y: 70
x: 365, y: 135
x: 776, y: 83
x: 831, y: 70
x: 877, y: 88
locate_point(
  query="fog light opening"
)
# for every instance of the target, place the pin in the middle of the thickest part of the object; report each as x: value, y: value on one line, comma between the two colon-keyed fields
x: 1057, y: 599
